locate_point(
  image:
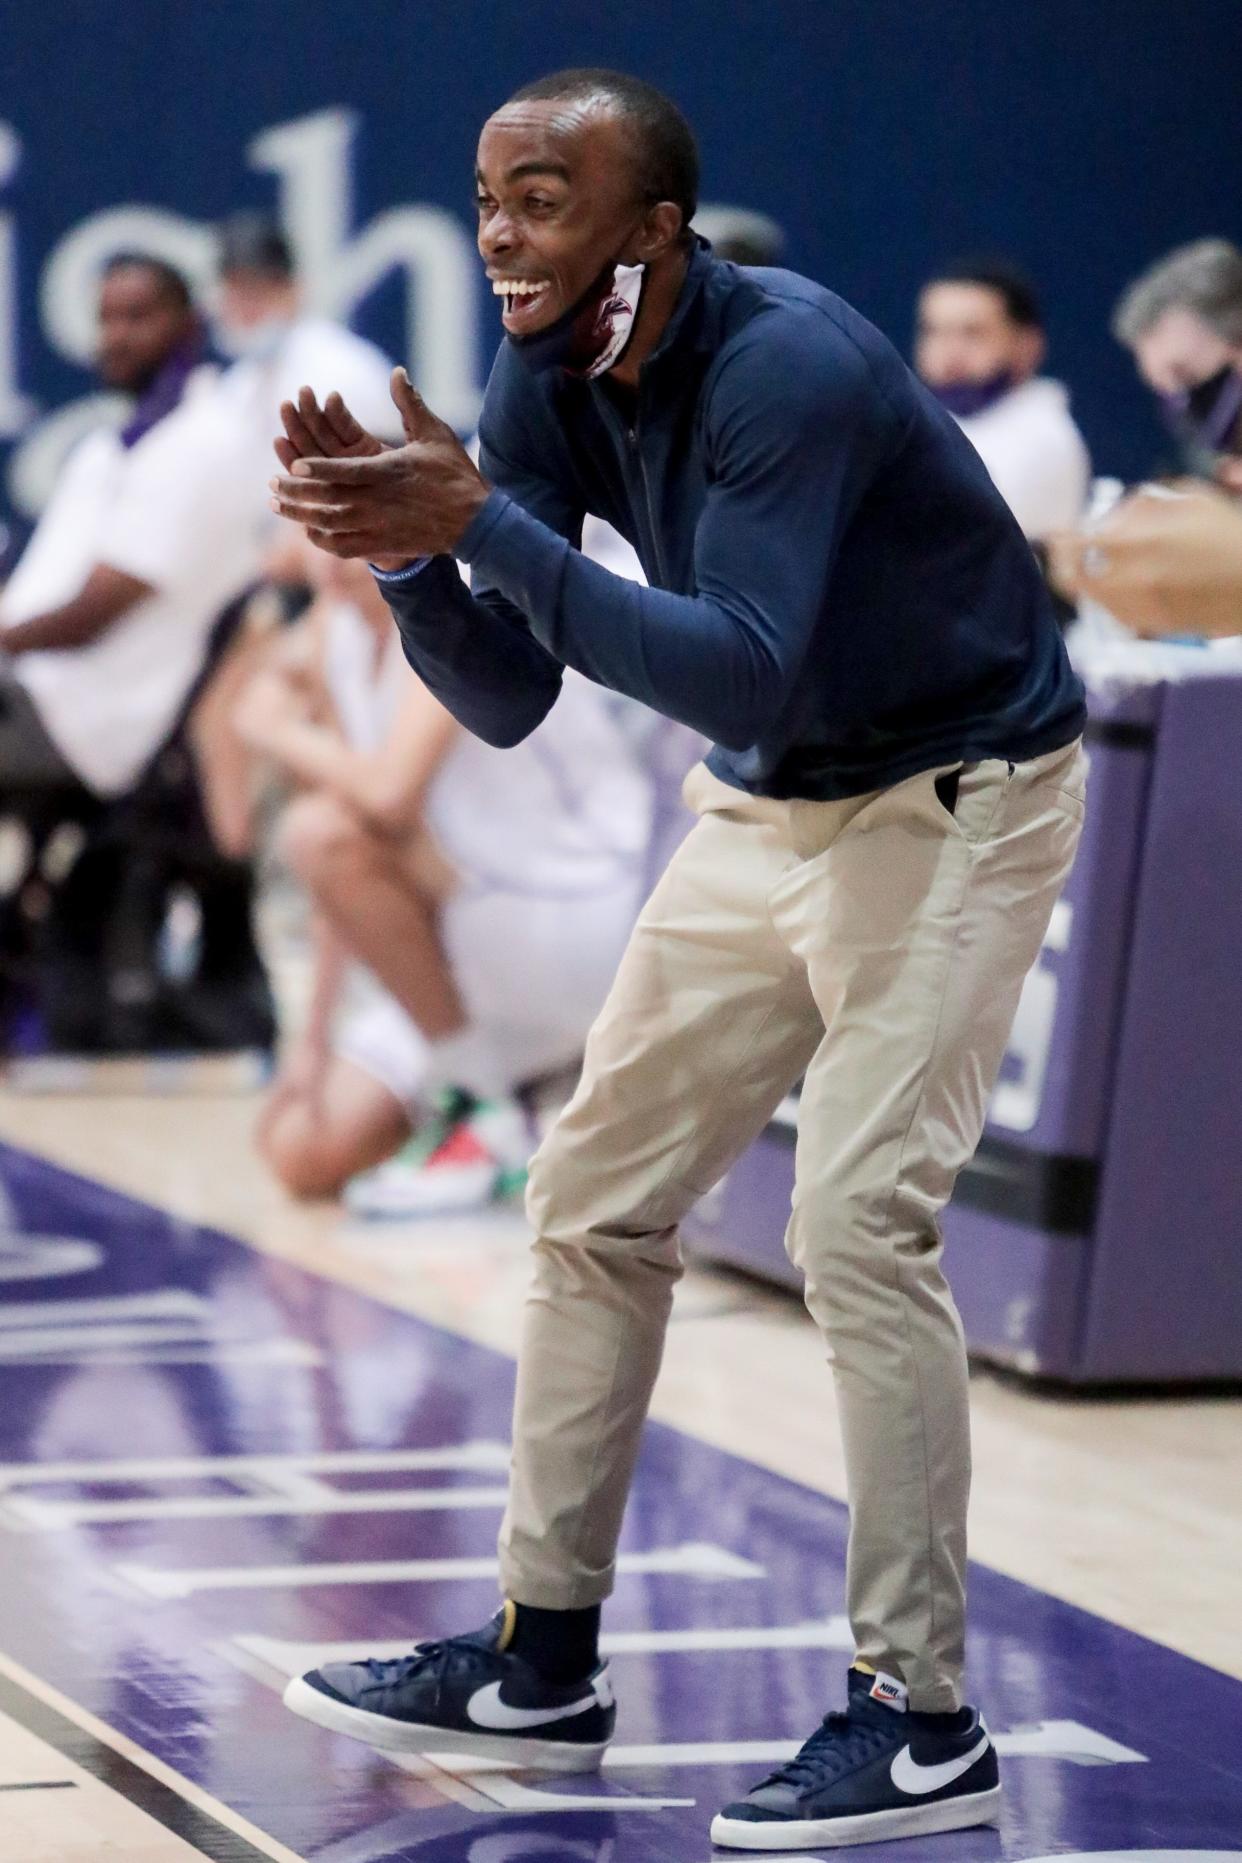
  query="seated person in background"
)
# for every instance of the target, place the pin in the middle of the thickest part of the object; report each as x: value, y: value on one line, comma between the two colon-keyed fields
x: 1182, y: 320
x: 979, y: 347
x: 488, y: 893
x: 259, y: 320
x: 146, y: 539
x: 1167, y: 559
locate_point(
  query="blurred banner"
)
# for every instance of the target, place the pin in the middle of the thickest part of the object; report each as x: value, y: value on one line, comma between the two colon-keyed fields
x: 886, y: 137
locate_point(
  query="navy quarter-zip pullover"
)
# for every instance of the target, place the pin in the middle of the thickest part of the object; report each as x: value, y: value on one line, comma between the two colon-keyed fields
x: 839, y: 596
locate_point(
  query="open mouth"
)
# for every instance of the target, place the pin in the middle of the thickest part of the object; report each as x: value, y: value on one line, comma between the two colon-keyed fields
x: 522, y: 301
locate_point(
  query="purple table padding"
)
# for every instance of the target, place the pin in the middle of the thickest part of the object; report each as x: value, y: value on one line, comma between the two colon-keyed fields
x: 1165, y: 1299
x: 1097, y: 1237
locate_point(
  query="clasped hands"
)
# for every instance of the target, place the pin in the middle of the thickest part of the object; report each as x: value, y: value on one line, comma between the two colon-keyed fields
x: 355, y: 496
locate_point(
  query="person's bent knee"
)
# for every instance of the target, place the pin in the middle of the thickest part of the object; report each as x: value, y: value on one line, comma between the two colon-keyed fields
x: 305, y: 1174
x: 557, y: 1208
x: 572, y: 1208
x: 315, y: 831
x: 854, y: 1248
x: 295, y: 1154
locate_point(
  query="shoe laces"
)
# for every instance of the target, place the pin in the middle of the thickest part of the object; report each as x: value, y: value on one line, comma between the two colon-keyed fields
x: 841, y: 1742
x: 442, y: 1658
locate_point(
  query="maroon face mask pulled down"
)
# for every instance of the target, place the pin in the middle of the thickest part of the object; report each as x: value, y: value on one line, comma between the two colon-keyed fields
x: 593, y: 334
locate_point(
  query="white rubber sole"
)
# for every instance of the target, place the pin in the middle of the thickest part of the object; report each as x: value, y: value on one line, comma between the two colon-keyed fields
x: 874, y: 1827
x: 392, y: 1736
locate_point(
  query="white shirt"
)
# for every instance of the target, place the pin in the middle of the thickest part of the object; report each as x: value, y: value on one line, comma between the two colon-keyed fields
x: 319, y: 354
x: 609, y: 549
x: 1036, y: 455
x: 564, y: 814
x: 174, y: 511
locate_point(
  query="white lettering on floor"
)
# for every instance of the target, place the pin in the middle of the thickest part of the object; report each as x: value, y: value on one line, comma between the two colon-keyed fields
x: 690, y: 1561
x: 268, y: 1485
x: 165, y: 1326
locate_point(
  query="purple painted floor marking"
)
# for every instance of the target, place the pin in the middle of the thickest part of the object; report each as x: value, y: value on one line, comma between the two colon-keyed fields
x: 165, y: 1341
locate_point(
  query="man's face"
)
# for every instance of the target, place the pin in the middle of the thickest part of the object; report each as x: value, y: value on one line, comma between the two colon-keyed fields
x: 246, y: 300
x: 140, y: 324
x: 1179, y: 351
x: 557, y: 202
x: 966, y: 336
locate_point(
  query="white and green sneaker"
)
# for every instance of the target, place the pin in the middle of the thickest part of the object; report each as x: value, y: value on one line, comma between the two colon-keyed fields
x: 469, y: 1154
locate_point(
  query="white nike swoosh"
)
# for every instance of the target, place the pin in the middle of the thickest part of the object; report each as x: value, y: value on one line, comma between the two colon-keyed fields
x: 908, y: 1776
x: 486, y: 1709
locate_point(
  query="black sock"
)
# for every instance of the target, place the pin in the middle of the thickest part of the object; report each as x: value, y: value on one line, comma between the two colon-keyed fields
x: 563, y: 1646
x: 955, y: 1721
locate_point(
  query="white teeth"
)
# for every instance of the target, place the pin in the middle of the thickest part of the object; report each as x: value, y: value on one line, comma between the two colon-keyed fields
x: 515, y: 288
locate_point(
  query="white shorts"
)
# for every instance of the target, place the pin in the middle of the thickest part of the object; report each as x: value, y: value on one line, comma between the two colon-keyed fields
x: 532, y: 974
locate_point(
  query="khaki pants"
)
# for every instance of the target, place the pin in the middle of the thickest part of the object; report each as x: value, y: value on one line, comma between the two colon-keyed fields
x: 878, y: 946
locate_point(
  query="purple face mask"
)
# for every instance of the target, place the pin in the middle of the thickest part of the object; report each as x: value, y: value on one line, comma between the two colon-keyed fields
x: 164, y: 393
x: 593, y: 334
x: 963, y: 399
x: 1207, y: 414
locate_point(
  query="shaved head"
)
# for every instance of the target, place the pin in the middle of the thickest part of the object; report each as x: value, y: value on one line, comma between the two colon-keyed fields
x: 660, y: 141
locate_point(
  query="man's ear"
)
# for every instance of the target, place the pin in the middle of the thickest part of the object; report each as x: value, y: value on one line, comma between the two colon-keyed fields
x: 659, y: 232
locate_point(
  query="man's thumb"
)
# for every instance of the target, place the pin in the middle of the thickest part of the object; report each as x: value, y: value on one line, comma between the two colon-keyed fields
x: 414, y: 412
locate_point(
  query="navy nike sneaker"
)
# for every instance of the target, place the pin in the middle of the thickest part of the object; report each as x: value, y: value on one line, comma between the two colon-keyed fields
x: 875, y: 1772
x: 464, y: 1694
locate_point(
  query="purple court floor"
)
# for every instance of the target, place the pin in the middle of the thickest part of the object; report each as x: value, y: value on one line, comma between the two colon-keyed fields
x: 215, y: 1468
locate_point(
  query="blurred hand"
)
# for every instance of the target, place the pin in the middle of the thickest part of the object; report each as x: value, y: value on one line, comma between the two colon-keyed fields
x: 1166, y: 560
x: 294, y: 657
x: 389, y: 505
x: 1063, y: 553
x: 1229, y: 476
x: 268, y: 703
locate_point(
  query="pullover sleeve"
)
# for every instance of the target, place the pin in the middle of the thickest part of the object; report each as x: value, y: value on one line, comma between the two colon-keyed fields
x: 474, y: 649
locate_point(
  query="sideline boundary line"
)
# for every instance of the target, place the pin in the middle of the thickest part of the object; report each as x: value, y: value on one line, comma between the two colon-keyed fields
x: 166, y: 1795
